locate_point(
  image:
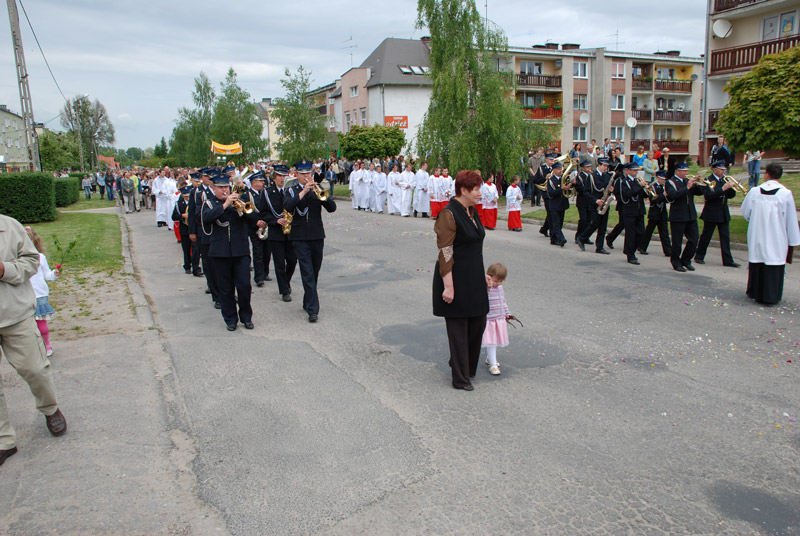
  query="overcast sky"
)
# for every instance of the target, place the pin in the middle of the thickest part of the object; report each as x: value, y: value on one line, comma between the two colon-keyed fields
x: 140, y: 58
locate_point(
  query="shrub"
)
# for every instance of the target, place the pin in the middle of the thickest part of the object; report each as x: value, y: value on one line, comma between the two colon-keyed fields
x: 67, y: 190
x: 28, y: 197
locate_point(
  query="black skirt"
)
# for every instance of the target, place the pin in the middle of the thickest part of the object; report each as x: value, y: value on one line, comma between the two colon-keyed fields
x: 765, y: 282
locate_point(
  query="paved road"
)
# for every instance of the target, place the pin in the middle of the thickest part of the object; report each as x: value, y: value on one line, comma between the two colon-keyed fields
x: 635, y: 400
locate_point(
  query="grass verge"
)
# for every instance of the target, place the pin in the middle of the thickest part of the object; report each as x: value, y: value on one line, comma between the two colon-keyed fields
x: 85, y: 204
x: 98, y: 247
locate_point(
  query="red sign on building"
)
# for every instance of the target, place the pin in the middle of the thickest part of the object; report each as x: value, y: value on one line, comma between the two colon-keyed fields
x: 396, y: 121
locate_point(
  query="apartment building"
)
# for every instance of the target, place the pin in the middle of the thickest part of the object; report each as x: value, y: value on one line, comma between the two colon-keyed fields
x: 738, y: 34
x: 640, y: 99
x: 13, y: 142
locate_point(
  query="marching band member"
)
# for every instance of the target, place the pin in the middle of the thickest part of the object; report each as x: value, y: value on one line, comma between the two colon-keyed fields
x: 683, y: 217
x: 230, y: 253
x: 203, y: 232
x: 308, y: 233
x: 632, y: 211
x: 583, y: 202
x: 657, y: 217
x: 717, y: 215
x: 558, y: 204
x: 272, y: 217
x: 541, y: 178
x: 182, y: 208
x: 261, y: 251
x: 422, y: 200
x: 597, y: 184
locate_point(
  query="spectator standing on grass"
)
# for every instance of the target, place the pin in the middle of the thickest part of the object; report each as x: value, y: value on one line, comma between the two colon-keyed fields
x: 101, y: 183
x: 752, y: 161
x: 86, y: 184
x: 20, y: 341
x: 128, y: 192
x: 44, y: 311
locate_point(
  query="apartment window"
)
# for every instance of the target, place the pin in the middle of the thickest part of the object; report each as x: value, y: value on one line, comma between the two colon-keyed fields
x: 579, y: 102
x: 663, y: 133
x: 354, y: 91
x: 579, y: 134
x: 665, y: 73
x: 617, y: 69
x: 363, y: 116
x: 530, y: 67
x: 618, y: 133
x: 579, y: 69
x: 531, y: 100
x: 347, y: 121
x: 617, y: 102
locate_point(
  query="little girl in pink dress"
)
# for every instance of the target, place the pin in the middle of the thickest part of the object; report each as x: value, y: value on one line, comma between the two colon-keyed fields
x: 496, y: 332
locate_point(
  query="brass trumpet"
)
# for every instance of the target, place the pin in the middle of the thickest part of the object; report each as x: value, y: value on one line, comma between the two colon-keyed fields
x: 321, y: 194
x: 240, y: 206
x: 738, y: 186
x: 703, y: 182
x: 647, y: 187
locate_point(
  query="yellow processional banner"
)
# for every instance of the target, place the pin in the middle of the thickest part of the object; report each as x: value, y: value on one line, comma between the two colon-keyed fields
x: 218, y: 148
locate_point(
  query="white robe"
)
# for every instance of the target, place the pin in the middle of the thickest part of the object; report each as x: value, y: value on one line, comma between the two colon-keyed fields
x: 433, y: 188
x: 406, y: 181
x: 422, y: 201
x: 372, y: 201
x: 773, y: 224
x: 379, y: 183
x: 164, y: 192
x: 513, y: 199
x: 489, y: 195
x: 353, y: 185
x: 393, y: 191
x: 448, y: 188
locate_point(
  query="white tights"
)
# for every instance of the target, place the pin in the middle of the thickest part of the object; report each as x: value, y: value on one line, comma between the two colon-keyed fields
x: 491, y: 355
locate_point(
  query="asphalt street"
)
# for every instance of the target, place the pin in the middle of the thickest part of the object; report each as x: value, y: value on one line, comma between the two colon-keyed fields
x: 635, y: 400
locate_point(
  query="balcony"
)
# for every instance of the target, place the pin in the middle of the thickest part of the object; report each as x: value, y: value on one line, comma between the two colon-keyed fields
x: 642, y: 84
x: 543, y: 113
x: 724, y: 5
x: 684, y: 86
x: 713, y: 115
x: 727, y: 60
x: 642, y: 115
x: 539, y: 80
x: 673, y: 116
x: 634, y: 144
x: 675, y: 146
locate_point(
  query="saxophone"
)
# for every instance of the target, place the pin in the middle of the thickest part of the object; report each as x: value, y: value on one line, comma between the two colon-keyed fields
x: 602, y: 209
x: 287, y: 227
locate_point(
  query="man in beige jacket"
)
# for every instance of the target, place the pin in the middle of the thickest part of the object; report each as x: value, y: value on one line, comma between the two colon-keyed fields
x: 20, y: 340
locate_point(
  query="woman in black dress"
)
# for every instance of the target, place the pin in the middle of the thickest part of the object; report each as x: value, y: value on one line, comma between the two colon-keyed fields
x: 459, y: 281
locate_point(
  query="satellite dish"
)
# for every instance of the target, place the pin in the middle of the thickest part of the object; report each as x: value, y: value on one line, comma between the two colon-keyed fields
x: 722, y: 28
x: 584, y: 118
x: 631, y: 122
x: 694, y: 77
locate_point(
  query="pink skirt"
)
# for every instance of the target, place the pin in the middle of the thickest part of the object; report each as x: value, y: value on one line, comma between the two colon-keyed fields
x: 495, y: 334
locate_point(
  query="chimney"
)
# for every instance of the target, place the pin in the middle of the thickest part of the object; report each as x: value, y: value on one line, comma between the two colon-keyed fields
x: 539, y: 46
x: 426, y: 40
x: 551, y: 46
x: 570, y: 46
x: 673, y: 52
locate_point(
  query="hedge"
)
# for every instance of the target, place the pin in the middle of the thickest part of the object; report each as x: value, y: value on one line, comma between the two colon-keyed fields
x: 68, y: 191
x: 28, y: 197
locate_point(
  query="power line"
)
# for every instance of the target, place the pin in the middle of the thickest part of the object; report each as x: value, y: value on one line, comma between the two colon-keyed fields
x: 41, y: 50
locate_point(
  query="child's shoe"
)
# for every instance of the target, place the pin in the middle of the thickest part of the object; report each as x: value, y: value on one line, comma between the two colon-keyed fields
x: 494, y: 370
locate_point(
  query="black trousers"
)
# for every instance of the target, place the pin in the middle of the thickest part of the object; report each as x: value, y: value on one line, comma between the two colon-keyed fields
x: 186, y: 246
x: 283, y: 261
x: 536, y: 195
x: 724, y: 240
x: 556, y: 222
x: 634, y: 232
x: 679, y: 230
x: 309, y: 257
x: 209, y: 271
x: 584, y: 216
x: 663, y: 235
x: 617, y: 230
x: 546, y: 225
x: 464, y: 336
x: 599, y: 223
x: 233, y: 274
x: 261, y: 256
x: 195, y: 256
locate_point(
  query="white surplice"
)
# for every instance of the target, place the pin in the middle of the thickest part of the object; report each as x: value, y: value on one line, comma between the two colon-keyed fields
x: 773, y: 224
x: 406, y: 181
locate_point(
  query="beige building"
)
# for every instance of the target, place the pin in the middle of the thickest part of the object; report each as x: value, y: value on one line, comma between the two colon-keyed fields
x: 640, y: 99
x: 269, y: 127
x: 738, y: 34
x: 13, y: 144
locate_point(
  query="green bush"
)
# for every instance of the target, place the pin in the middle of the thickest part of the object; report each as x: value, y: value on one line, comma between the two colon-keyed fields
x: 68, y: 190
x: 79, y: 174
x: 28, y: 197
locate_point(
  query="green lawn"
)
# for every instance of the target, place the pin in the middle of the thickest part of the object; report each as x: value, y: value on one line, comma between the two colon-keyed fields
x: 94, y: 202
x: 99, y: 247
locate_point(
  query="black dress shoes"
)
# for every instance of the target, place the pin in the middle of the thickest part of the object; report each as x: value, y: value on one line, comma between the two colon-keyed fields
x: 217, y: 305
x: 467, y: 387
x: 689, y: 267
x: 543, y: 232
x: 732, y: 265
x: 699, y: 261
x: 198, y: 273
x: 259, y: 283
x: 633, y: 260
x: 643, y: 252
x: 312, y: 318
x: 231, y: 327
x: 609, y: 244
x: 56, y: 423
x: 187, y: 272
x: 5, y: 454
x: 248, y: 325
x: 268, y: 278
x: 678, y: 268
x: 287, y: 298
x: 603, y: 251
x: 580, y: 245
x: 208, y: 290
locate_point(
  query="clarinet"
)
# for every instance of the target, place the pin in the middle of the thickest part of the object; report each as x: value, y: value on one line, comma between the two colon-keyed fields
x: 606, y: 193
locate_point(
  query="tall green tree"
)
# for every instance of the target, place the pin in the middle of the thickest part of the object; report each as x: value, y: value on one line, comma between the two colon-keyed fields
x: 90, y: 122
x: 377, y: 141
x: 302, y: 127
x: 190, y: 142
x: 764, y: 108
x: 160, y: 150
x: 58, y: 151
x: 236, y: 120
x: 473, y: 120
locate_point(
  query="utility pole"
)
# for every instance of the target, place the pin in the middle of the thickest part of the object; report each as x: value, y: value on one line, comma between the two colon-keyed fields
x: 24, y: 88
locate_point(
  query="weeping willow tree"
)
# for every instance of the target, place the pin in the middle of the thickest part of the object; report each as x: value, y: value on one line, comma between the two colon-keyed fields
x: 473, y: 120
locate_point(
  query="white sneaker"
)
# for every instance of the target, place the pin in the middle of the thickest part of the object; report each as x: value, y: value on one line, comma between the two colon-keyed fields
x: 494, y: 370
x: 49, y: 352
